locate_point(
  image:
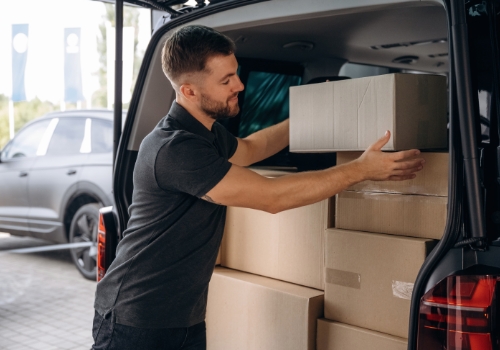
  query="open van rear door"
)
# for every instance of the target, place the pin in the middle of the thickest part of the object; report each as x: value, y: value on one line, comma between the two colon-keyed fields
x: 455, y: 298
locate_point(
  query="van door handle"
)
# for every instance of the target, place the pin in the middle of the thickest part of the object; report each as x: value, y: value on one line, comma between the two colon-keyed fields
x: 23, y: 174
x: 71, y: 172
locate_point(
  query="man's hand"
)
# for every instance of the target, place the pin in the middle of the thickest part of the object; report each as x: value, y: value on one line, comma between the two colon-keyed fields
x: 379, y: 166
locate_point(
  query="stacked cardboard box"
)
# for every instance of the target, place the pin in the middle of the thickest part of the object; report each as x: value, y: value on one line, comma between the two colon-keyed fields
x: 415, y: 208
x: 350, y: 115
x: 288, y: 246
x: 247, y: 311
x: 335, y: 335
x: 268, y: 292
x: 369, y: 278
x: 384, y: 232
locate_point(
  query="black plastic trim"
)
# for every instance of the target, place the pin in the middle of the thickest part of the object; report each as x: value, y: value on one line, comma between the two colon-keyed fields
x: 466, y: 117
x: 454, y: 215
x: 117, y: 108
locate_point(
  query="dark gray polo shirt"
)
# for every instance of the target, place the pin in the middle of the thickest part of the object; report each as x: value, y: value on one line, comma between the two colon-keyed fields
x: 164, y: 263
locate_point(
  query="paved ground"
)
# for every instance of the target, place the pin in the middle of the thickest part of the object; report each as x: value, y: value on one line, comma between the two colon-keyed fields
x: 44, y: 302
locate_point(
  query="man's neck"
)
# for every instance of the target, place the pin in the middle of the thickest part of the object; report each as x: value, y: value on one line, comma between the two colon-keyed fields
x: 197, y: 114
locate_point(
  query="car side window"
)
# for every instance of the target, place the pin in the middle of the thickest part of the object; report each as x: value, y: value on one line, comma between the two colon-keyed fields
x: 266, y: 100
x: 102, y: 136
x: 27, y: 141
x: 68, y: 137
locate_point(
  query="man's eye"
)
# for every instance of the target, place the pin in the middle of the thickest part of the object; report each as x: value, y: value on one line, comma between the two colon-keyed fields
x: 226, y: 82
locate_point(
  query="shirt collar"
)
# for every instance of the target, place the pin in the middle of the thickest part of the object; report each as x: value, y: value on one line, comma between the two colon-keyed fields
x: 191, y: 124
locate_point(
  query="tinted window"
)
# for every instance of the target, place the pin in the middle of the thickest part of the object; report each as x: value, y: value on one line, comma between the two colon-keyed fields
x: 102, y: 136
x: 266, y: 101
x: 26, y: 142
x: 67, y: 137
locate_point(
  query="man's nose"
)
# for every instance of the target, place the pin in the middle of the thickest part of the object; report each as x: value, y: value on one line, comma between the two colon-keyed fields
x: 240, y: 86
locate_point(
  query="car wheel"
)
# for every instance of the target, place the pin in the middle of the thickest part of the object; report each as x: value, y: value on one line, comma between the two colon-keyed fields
x: 83, y: 228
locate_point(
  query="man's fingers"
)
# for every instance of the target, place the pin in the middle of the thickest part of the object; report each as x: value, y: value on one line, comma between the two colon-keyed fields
x: 381, y: 142
x: 414, y: 163
x: 397, y: 156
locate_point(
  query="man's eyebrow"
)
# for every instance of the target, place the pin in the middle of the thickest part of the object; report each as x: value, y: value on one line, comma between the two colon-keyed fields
x: 227, y: 76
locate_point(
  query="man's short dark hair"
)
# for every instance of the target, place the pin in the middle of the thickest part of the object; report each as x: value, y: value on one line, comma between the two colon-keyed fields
x: 189, y: 48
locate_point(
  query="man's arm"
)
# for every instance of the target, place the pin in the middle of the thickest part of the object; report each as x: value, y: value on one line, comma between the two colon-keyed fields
x: 262, y: 144
x: 244, y: 188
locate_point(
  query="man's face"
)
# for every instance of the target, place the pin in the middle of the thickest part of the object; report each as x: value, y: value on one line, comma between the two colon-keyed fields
x: 219, y: 87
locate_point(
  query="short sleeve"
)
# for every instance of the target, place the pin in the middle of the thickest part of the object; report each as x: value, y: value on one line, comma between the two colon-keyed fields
x: 227, y: 139
x: 189, y: 164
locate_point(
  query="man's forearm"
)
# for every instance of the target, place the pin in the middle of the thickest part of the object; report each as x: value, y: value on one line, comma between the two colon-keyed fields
x: 242, y: 187
x: 269, y: 141
x: 292, y: 191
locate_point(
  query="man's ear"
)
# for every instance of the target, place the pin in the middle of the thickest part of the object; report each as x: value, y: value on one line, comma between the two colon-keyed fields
x: 188, y: 92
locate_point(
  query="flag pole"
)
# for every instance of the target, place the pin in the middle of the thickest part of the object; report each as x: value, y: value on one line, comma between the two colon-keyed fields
x: 11, y: 119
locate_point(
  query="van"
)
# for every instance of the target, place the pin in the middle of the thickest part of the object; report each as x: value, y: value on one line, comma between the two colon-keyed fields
x: 285, y: 43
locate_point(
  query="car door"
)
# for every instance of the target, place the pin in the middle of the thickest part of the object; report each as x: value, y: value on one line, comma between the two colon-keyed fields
x: 16, y: 161
x: 55, y: 176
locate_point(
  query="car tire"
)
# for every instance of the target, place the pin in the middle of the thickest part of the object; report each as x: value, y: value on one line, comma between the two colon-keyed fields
x: 83, y: 228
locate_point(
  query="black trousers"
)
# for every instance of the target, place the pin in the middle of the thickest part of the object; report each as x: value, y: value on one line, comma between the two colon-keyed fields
x: 112, y: 336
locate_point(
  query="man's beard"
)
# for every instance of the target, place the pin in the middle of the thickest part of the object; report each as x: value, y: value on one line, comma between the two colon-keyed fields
x: 218, y: 110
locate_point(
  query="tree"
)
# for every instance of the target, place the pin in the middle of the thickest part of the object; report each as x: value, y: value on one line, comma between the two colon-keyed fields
x: 24, y: 112
x: 4, y: 120
x: 130, y: 19
x: 29, y: 110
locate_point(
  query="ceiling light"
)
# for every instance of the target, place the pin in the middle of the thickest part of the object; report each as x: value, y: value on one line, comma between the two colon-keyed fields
x: 406, y: 60
x: 406, y: 44
x: 301, y: 45
x: 437, y: 55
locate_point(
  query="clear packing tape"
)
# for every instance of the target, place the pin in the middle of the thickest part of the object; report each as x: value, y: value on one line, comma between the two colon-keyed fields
x: 400, y: 289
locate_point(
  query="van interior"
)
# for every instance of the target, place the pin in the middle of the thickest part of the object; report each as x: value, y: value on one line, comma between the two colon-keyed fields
x: 305, y: 48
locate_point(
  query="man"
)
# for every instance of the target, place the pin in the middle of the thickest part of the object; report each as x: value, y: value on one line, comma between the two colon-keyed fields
x: 189, y: 168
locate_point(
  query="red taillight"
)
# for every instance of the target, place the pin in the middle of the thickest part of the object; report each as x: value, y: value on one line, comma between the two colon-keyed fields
x: 101, y: 249
x: 460, y: 313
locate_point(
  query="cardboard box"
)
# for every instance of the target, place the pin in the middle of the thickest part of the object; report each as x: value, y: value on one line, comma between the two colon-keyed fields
x: 217, y: 261
x: 432, y: 180
x: 288, y: 246
x: 369, y: 278
x: 246, y: 311
x: 396, y: 214
x: 338, y: 336
x: 352, y: 114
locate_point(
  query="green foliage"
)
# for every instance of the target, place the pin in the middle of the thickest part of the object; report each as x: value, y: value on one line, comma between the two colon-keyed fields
x: 130, y: 19
x: 29, y: 110
x: 24, y: 112
x: 4, y: 120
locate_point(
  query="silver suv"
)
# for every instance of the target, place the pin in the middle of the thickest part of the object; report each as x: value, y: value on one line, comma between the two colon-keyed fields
x: 55, y: 174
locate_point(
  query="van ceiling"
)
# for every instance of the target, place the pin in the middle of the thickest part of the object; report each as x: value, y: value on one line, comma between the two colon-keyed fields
x: 352, y: 36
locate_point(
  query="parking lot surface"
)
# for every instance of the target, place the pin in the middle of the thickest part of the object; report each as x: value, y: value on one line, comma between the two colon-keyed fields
x: 44, y: 302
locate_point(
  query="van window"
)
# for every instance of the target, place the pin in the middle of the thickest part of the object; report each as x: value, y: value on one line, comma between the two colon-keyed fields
x: 67, y: 137
x: 354, y: 70
x: 25, y: 144
x: 266, y: 101
x: 102, y: 136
